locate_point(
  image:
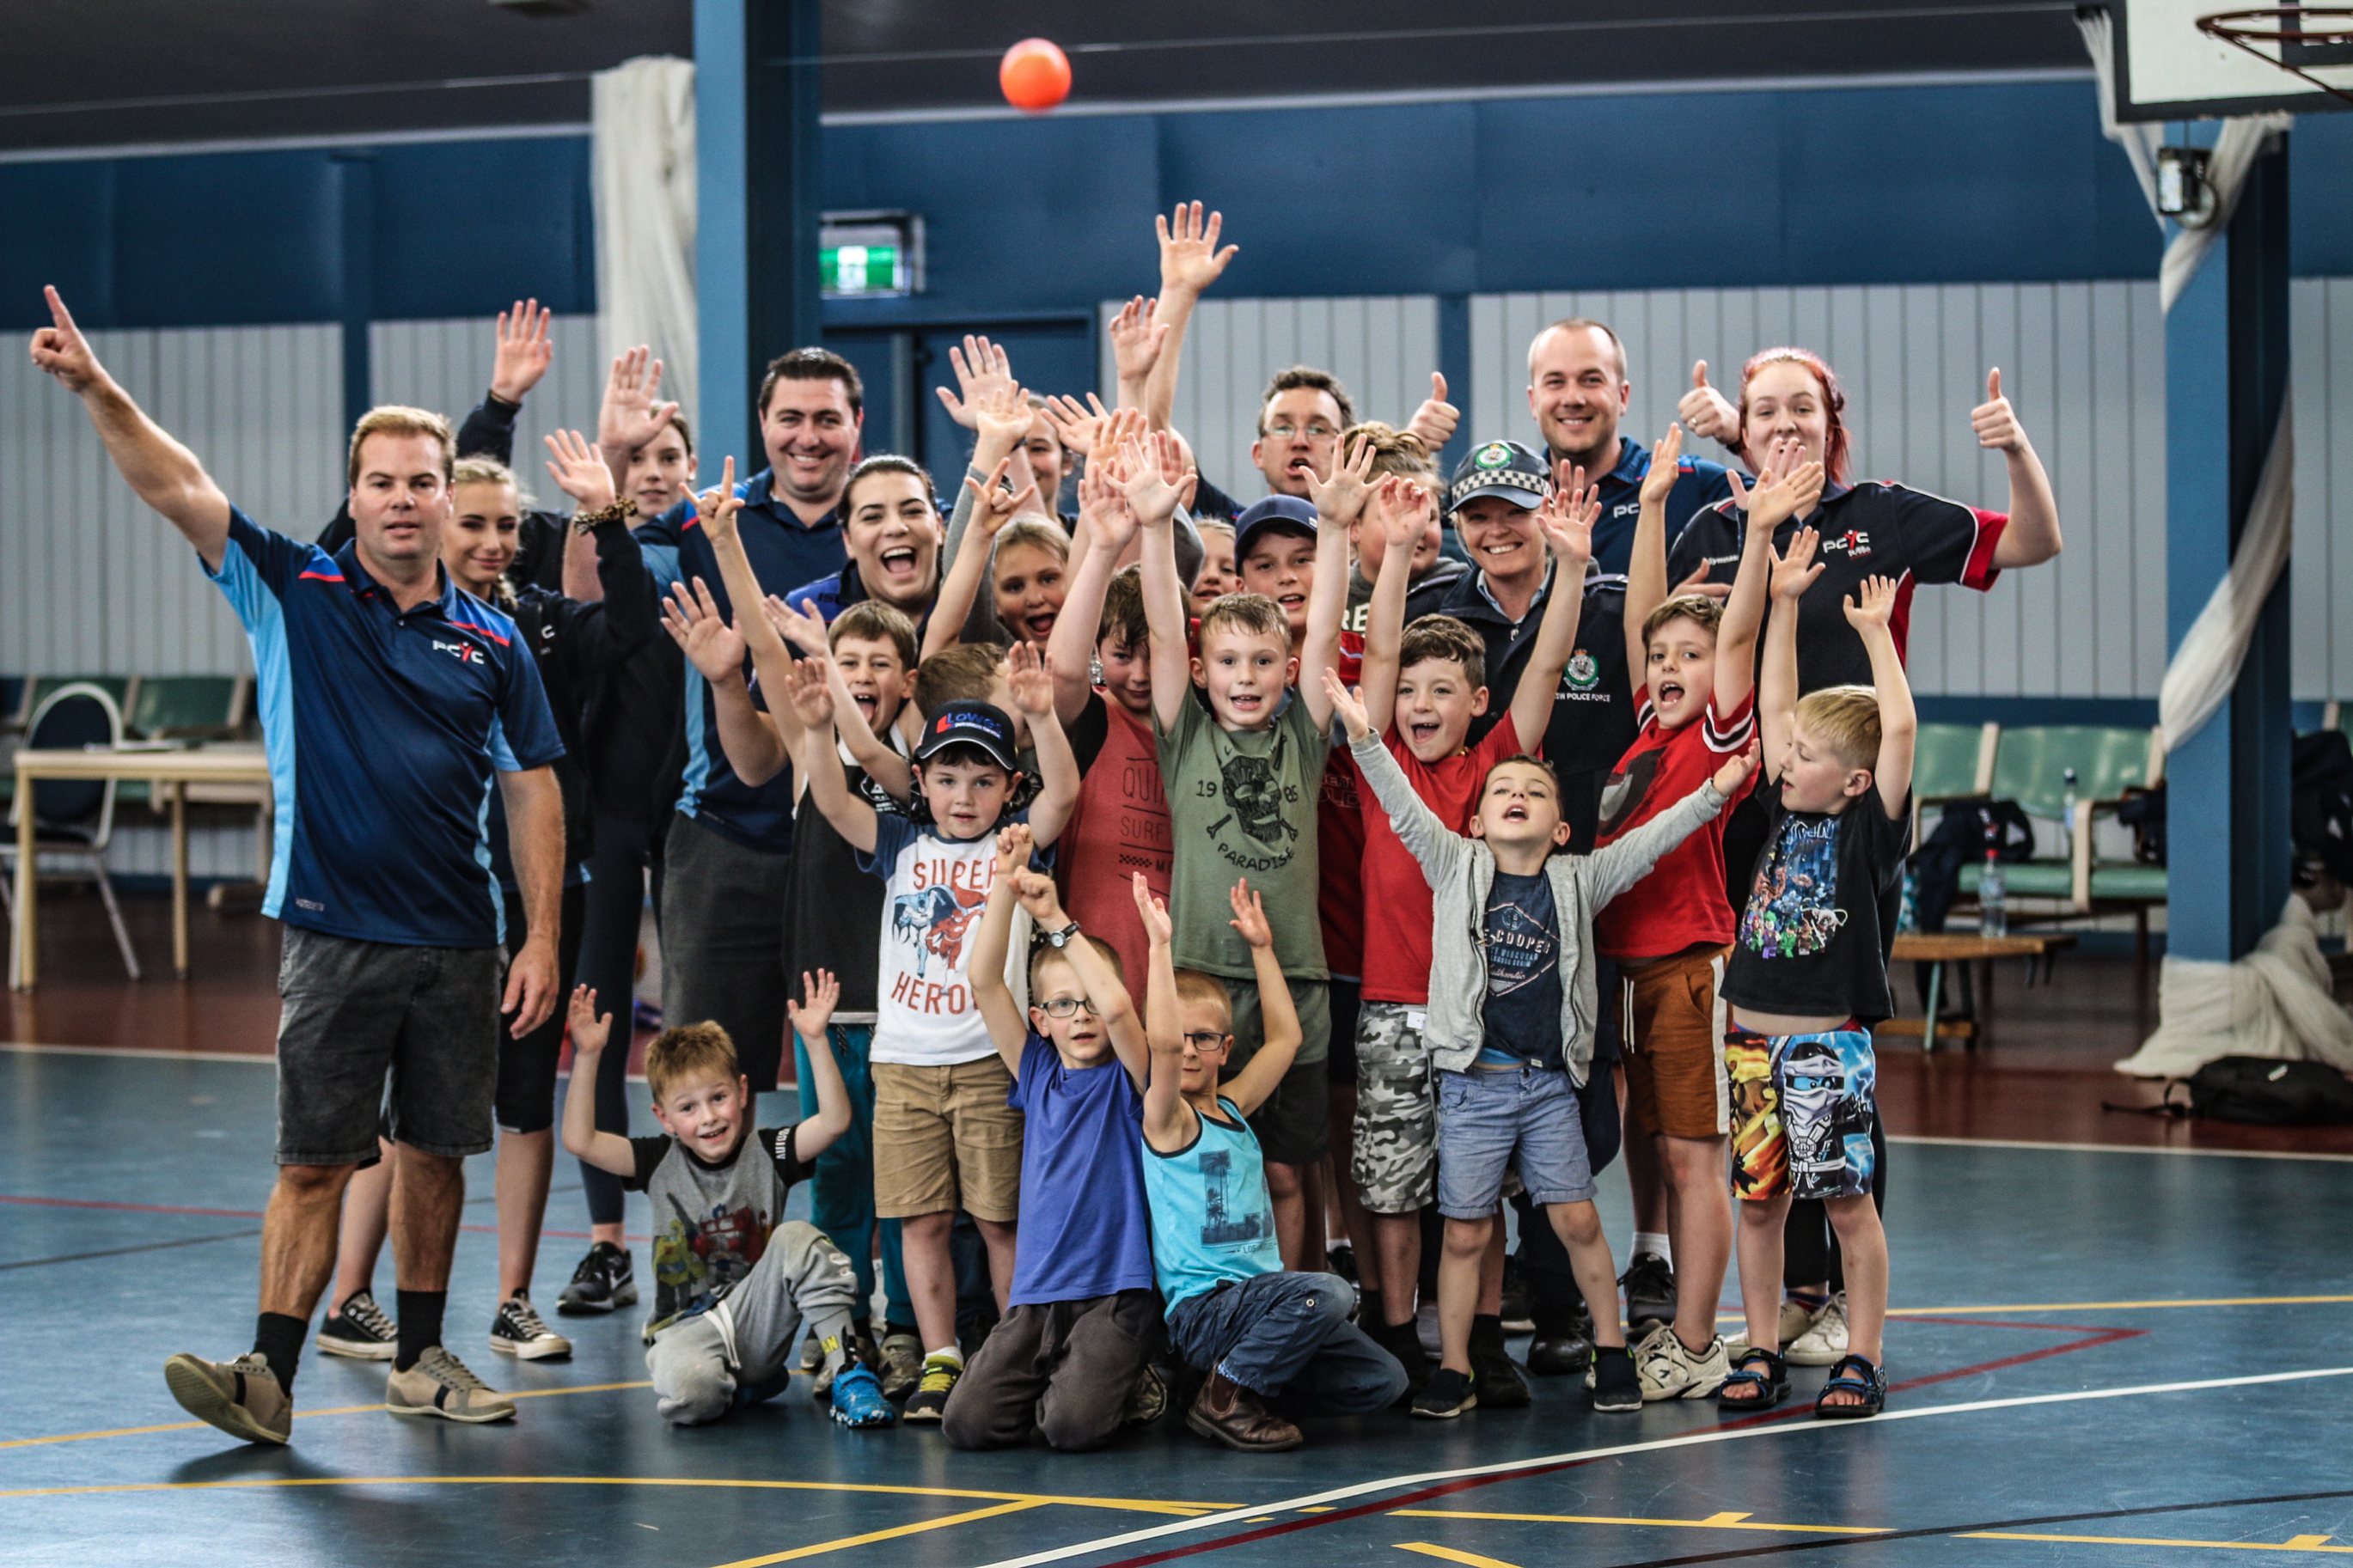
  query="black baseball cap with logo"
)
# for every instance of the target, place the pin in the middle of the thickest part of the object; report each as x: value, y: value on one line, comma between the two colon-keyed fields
x: 1504, y: 468
x: 981, y: 724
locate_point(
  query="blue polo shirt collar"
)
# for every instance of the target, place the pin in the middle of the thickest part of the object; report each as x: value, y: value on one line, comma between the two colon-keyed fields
x: 362, y: 584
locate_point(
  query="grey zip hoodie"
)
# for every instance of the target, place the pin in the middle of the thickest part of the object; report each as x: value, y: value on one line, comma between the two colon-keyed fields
x: 1461, y: 872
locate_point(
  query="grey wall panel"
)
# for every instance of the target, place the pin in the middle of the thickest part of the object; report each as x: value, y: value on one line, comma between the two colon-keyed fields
x: 92, y: 581
x: 1382, y: 349
x: 2082, y: 362
x: 445, y: 365
x: 2322, y: 589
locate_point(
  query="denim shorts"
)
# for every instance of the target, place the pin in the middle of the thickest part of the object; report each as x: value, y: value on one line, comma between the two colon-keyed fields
x: 356, y: 1012
x: 1489, y: 1122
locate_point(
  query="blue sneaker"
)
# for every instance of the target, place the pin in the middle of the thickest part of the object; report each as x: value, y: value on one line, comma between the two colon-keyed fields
x: 858, y: 1399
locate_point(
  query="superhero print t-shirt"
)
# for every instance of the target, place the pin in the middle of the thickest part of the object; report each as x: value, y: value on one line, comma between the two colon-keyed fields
x: 1810, y: 941
x: 933, y: 891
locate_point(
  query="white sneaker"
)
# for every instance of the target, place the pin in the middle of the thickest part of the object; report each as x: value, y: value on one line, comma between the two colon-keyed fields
x: 1795, y: 1319
x: 1824, y: 1342
x: 1668, y: 1369
x: 519, y: 1331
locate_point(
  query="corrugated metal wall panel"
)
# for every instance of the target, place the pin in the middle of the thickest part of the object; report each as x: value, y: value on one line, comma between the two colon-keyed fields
x: 445, y: 367
x: 1382, y: 349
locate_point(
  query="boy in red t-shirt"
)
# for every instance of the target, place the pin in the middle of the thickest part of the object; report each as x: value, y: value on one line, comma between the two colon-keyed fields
x: 1693, y: 662
x: 1422, y: 686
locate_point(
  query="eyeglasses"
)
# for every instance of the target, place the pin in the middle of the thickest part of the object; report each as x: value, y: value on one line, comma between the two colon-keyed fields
x: 1283, y: 430
x: 1064, y: 1007
x: 1202, y: 1040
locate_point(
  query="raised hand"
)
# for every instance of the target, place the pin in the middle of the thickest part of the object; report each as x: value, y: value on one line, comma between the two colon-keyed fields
x: 1697, y: 583
x: 1025, y: 680
x: 1567, y: 519
x: 1137, y: 336
x: 980, y: 367
x: 1340, y: 495
x: 1015, y: 846
x: 994, y: 506
x: 523, y: 352
x: 1874, y: 604
x: 1076, y: 426
x: 1000, y: 411
x: 1189, y: 257
x: 715, y: 508
x: 61, y: 350
x: 1348, y: 702
x: 1038, y: 895
x: 1153, y: 498
x: 822, y: 991
x: 803, y: 627
x: 587, y: 1030
x: 1736, y: 770
x: 1794, y: 573
x: 809, y: 692
x: 1782, y: 494
x: 1434, y: 422
x: 1994, y: 420
x: 1249, y: 915
x: 1158, y: 928
x: 1665, y: 459
x: 1404, y: 509
x: 1104, y: 515
x: 579, y: 470
x: 1706, y: 412
x: 694, y: 621
x: 632, y: 413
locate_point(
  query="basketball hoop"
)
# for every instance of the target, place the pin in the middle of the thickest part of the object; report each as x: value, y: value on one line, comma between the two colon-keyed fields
x: 2291, y: 37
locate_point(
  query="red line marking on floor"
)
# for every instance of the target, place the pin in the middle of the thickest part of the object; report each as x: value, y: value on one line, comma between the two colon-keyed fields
x: 1407, y: 1499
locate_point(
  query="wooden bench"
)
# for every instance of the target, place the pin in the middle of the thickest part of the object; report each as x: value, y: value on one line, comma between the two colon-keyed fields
x: 1940, y: 948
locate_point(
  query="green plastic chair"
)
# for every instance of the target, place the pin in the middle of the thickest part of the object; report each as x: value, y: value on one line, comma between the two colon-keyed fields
x: 188, y: 706
x: 118, y: 687
x: 1952, y: 759
x: 2030, y: 764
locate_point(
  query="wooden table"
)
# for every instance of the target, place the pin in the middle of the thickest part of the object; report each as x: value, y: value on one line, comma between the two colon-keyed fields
x: 172, y: 771
x: 1940, y: 948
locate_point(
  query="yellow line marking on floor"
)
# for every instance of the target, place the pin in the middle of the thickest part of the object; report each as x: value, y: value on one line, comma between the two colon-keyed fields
x: 1714, y: 1521
x: 2101, y: 1306
x: 1026, y: 1499
x: 2300, y: 1544
x: 1469, y: 1559
x: 299, y: 1415
x: 918, y: 1528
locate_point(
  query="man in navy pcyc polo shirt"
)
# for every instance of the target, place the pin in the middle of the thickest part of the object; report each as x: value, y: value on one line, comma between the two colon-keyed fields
x: 390, y: 703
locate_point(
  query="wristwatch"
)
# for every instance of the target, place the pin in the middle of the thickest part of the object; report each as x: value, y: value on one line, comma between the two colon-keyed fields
x: 1060, y: 938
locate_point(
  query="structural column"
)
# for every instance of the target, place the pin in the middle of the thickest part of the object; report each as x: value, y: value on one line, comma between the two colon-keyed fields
x: 758, y: 174
x: 2226, y: 354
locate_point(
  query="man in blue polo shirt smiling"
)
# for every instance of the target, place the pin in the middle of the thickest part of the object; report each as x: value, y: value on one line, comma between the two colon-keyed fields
x: 389, y: 701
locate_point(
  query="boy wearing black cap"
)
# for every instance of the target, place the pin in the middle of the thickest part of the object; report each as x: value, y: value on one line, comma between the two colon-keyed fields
x: 944, y: 1138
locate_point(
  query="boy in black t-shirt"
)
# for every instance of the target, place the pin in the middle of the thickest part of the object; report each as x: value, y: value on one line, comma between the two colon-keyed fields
x: 1808, y: 976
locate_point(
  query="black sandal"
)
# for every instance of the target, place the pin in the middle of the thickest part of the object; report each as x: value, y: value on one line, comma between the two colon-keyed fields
x: 1869, y: 1381
x: 1772, y: 1384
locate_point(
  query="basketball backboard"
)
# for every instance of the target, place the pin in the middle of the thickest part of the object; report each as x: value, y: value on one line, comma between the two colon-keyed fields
x: 2294, y: 60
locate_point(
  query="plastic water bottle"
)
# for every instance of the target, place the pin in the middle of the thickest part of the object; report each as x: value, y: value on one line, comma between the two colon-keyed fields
x: 1993, y: 896
x: 2067, y: 822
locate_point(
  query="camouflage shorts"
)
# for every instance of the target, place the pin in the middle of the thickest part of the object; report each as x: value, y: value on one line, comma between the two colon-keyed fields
x: 1396, y: 1131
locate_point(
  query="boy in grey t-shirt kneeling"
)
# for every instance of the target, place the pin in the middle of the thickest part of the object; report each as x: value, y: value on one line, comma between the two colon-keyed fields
x: 733, y: 1279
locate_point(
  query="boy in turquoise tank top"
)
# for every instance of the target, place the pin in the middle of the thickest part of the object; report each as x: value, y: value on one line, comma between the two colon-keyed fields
x: 1262, y: 1334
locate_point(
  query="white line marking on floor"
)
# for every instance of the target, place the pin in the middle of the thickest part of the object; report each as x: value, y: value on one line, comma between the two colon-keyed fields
x: 1428, y: 1477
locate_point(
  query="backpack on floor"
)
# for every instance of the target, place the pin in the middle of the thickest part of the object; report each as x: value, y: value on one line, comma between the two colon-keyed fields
x: 2270, y: 1092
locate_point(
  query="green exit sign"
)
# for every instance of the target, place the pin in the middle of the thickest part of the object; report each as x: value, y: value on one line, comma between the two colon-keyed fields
x: 870, y: 255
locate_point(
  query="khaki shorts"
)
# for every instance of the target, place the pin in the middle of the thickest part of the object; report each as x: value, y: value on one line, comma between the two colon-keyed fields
x: 944, y: 1138
x: 1673, y: 1033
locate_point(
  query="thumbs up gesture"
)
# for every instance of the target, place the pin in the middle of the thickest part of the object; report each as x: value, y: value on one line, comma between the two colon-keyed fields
x: 1706, y: 412
x: 1433, y: 423
x: 1994, y: 420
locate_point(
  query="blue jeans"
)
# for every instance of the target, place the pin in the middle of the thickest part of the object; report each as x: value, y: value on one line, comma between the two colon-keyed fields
x: 842, y: 1198
x: 1489, y: 1122
x: 1287, y: 1337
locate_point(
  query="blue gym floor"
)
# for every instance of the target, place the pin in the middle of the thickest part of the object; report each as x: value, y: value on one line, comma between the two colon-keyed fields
x: 2104, y: 1357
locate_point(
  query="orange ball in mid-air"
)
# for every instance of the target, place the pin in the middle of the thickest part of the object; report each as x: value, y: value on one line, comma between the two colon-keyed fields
x: 1035, y: 75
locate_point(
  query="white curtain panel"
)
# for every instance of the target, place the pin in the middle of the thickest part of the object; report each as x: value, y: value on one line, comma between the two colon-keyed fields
x: 2274, y: 1002
x: 642, y: 169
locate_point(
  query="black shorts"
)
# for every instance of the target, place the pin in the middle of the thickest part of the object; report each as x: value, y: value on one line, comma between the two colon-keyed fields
x: 355, y: 1011
x: 526, y: 1092
x: 1348, y: 1001
x: 1292, y: 1125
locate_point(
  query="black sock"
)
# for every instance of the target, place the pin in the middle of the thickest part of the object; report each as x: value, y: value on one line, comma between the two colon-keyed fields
x: 279, y: 1338
x: 894, y: 1326
x: 419, y: 1320
x: 1487, y: 1329
x: 1606, y: 1351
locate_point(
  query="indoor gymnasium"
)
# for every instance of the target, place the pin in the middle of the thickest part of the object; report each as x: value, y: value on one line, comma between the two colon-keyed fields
x: 922, y: 785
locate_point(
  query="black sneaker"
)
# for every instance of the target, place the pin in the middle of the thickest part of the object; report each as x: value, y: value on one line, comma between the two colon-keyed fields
x: 1649, y: 1283
x: 1340, y: 1258
x: 359, y: 1329
x: 1447, y: 1394
x: 1403, y: 1341
x: 518, y: 1331
x: 1519, y: 1301
x: 1617, y: 1386
x: 1564, y: 1345
x: 603, y: 1282
x: 1500, y: 1385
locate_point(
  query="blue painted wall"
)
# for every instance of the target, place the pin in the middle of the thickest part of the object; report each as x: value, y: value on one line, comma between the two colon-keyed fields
x: 1044, y: 217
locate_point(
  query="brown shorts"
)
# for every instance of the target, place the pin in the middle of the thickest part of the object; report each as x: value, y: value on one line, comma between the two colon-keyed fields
x: 1672, y: 1024
x: 944, y: 1138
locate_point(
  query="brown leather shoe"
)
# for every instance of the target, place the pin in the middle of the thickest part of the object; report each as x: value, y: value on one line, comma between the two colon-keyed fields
x: 1230, y: 1414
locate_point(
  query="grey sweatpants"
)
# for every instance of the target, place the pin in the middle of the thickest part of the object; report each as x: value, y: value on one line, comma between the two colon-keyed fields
x: 739, y: 1352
